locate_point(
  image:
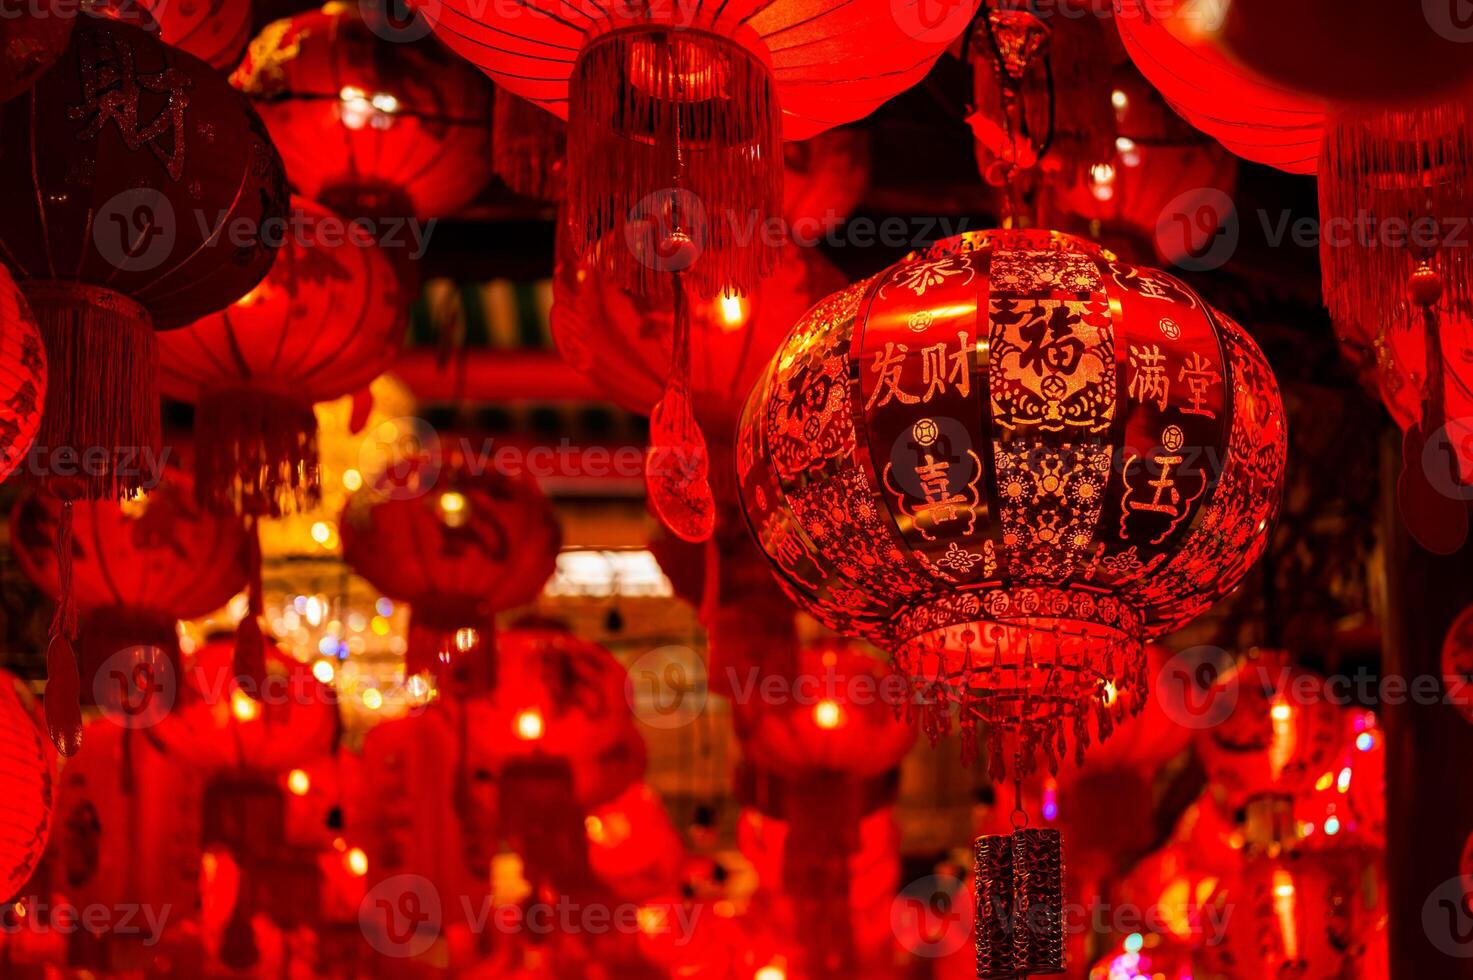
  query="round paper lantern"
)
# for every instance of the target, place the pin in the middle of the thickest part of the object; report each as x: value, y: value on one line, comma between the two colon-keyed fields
x: 327, y: 320
x: 219, y: 725
x: 22, y: 376
x: 136, y: 189
x: 214, y: 31
x: 1020, y: 590
x: 1253, y: 117
x: 1161, y: 171
x: 675, y: 111
x: 1347, y: 51
x: 474, y: 545
x: 30, y: 46
x: 366, y: 125
x: 136, y: 568
x: 624, y: 342
x: 1281, y: 734
x: 26, y: 788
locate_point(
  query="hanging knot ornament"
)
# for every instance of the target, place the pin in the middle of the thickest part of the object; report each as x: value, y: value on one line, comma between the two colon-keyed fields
x: 136, y: 196
x: 991, y: 460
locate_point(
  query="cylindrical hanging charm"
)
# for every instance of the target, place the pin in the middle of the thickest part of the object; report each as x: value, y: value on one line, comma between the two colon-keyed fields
x: 994, y: 908
x: 1038, y: 894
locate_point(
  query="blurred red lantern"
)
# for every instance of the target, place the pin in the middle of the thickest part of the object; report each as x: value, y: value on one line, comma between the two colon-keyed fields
x: 365, y: 125
x: 1346, y: 51
x: 119, y: 150
x: 1396, y: 347
x: 22, y: 376
x: 1161, y: 172
x: 214, y: 31
x: 529, y: 147
x: 633, y: 848
x: 475, y: 545
x: 1457, y: 662
x: 913, y: 543
x: 30, y: 46
x: 1250, y: 115
x: 558, y: 738
x: 26, y: 788
x: 219, y: 724
x: 131, y: 570
x: 824, y: 179
x: 1345, y: 810
x: 623, y: 341
x: 1281, y: 733
x: 325, y: 322
x: 1154, y: 958
x: 691, y: 94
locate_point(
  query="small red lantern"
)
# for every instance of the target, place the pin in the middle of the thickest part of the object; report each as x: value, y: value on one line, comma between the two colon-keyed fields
x: 1021, y: 589
x: 471, y: 547
x: 221, y: 724
x: 22, y: 376
x: 365, y: 125
x: 325, y: 322
x: 214, y: 31
x: 32, y: 43
x: 123, y: 144
x: 1250, y: 115
x: 26, y: 788
x: 633, y: 848
x: 130, y: 570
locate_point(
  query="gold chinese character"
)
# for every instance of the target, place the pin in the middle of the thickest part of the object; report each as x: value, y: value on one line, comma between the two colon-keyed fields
x: 1148, y: 381
x: 888, y: 364
x: 1199, y: 373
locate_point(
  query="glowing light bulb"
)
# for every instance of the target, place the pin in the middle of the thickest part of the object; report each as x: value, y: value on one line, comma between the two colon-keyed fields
x: 323, y: 671
x: 770, y: 973
x: 372, y: 699
x: 243, y: 706
x: 1102, y: 181
x: 1284, y: 911
x: 357, y: 862
x: 1119, y: 100
x: 733, y: 312
x: 352, y: 480
x: 466, y: 639
x: 298, y: 782
x: 321, y: 532
x: 529, y: 725
x: 452, y: 508
x: 828, y: 715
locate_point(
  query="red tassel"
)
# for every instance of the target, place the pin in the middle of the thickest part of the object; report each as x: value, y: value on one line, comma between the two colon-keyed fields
x: 63, y: 680
x: 677, y: 465
x: 256, y: 453
x: 102, y: 393
x: 250, y: 641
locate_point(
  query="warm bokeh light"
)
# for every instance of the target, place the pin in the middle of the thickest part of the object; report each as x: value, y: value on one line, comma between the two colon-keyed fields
x: 828, y: 715
x: 529, y: 725
x: 243, y: 706
x: 298, y: 782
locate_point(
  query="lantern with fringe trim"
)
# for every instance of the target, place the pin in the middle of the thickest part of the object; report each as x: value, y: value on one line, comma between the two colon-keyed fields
x: 128, y: 571
x: 1019, y: 588
x: 1253, y: 117
x: 32, y: 43
x: 675, y: 111
x: 26, y: 786
x: 120, y: 147
x: 325, y: 322
x: 22, y: 376
x: 365, y: 125
x: 472, y: 547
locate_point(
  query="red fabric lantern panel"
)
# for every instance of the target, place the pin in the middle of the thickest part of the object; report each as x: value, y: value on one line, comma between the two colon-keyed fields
x: 824, y: 180
x: 633, y: 848
x: 624, y: 342
x: 1282, y: 733
x: 1056, y: 554
x: 30, y: 46
x: 1253, y: 117
x: 214, y: 31
x: 559, y: 700
x: 366, y: 125
x: 22, y: 376
x: 458, y: 554
x: 1161, y: 172
x: 136, y: 189
x: 25, y: 787
x: 218, y: 726
x: 327, y: 320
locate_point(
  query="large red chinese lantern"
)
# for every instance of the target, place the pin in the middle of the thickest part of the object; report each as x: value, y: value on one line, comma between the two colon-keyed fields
x: 324, y: 322
x: 214, y: 31
x: 30, y: 46
x: 117, y: 153
x: 365, y: 125
x: 25, y: 787
x: 458, y: 554
x: 22, y: 376
x: 1020, y: 588
x: 1252, y: 116
x: 130, y: 571
x: 822, y: 757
